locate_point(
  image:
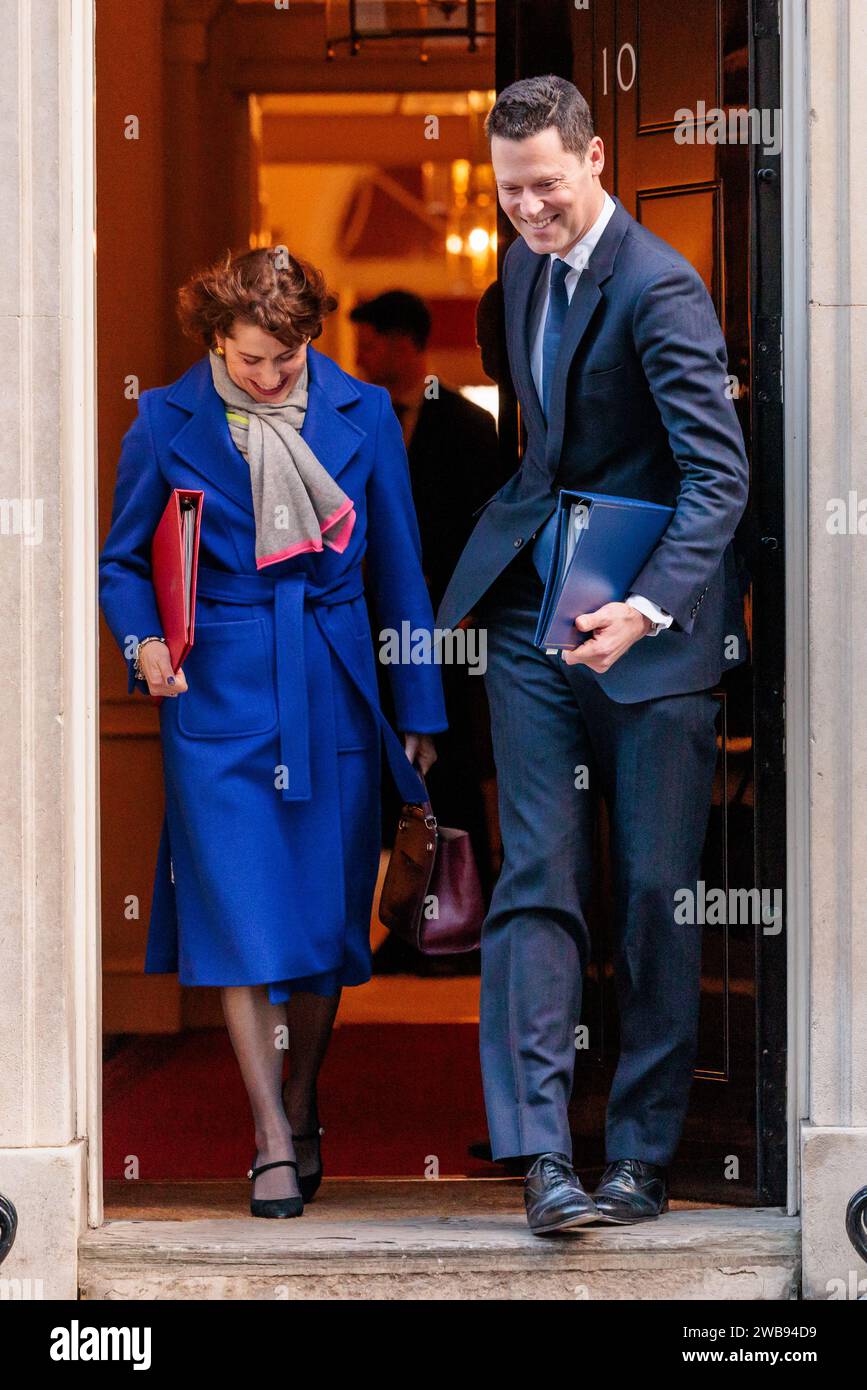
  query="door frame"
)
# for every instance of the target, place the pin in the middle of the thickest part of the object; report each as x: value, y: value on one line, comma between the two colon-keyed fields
x: 794, y: 103
x: 81, y: 547
x: 769, y: 328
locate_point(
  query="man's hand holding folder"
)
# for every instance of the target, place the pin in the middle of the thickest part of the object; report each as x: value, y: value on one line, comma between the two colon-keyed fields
x: 615, y: 627
x: 598, y: 544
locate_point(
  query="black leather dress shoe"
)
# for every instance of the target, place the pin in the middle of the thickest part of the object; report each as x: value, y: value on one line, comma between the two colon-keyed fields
x: 631, y: 1191
x: 554, y: 1197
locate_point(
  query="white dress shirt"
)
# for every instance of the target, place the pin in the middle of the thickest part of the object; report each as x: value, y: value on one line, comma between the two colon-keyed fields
x: 577, y: 257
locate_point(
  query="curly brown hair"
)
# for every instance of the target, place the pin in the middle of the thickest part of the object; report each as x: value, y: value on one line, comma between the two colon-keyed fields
x: 267, y: 287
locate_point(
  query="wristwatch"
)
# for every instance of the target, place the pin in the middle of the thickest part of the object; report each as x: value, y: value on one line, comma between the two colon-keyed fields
x: 651, y: 611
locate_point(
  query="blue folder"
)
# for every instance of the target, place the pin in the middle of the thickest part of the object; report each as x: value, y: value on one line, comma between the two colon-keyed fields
x: 598, y: 544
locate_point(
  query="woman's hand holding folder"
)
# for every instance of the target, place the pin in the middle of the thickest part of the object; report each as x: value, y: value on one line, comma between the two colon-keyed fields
x: 156, y: 667
x: 174, y: 567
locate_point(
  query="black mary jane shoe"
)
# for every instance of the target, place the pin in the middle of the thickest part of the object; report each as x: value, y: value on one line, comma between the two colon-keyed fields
x: 309, y: 1182
x: 631, y: 1191
x: 275, y: 1206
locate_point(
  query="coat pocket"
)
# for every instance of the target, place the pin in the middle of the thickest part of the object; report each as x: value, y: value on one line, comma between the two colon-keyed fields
x: 231, y: 692
x: 608, y: 380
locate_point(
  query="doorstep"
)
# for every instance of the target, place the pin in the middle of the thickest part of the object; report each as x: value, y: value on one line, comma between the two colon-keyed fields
x: 448, y: 1239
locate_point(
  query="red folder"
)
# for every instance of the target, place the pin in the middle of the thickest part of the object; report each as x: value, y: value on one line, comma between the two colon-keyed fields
x: 174, y: 566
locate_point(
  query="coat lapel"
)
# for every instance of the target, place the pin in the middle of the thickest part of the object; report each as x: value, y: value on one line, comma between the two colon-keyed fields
x: 203, y: 441
x: 584, y: 301
x: 518, y: 309
x: 206, y: 445
x: 587, y: 295
x: 581, y: 309
x: 331, y: 435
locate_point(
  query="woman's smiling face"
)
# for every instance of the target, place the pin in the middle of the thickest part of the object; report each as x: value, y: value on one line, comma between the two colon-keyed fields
x: 259, y: 363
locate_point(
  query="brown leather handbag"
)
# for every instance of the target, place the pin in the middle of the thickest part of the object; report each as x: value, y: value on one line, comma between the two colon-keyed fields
x: 432, y: 895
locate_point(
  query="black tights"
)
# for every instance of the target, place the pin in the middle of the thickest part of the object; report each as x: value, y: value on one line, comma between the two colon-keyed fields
x: 259, y: 1032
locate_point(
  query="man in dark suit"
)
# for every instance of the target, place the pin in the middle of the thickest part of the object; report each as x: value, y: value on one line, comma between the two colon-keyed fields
x: 451, y: 442
x: 619, y: 364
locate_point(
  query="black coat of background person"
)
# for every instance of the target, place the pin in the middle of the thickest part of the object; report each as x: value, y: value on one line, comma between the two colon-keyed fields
x: 454, y: 463
x: 454, y: 469
x: 453, y: 460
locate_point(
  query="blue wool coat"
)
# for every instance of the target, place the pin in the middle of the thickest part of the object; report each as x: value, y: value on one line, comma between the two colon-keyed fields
x: 270, y: 845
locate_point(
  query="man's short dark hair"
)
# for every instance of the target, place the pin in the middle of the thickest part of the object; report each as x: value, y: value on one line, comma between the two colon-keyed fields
x: 535, y: 104
x: 396, y: 311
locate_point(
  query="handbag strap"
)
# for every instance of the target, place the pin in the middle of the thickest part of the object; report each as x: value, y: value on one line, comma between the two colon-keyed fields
x: 425, y: 805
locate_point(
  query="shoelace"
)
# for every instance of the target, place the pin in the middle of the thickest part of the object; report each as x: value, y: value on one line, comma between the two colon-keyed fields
x: 554, y: 1169
x: 623, y: 1167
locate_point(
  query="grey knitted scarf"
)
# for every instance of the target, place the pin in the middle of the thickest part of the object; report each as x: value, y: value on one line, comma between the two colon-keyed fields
x: 298, y: 506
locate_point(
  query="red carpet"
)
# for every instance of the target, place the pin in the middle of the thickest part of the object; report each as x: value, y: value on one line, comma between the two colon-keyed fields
x: 391, y: 1096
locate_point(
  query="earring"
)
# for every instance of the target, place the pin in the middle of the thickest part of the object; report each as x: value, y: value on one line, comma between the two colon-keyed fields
x: 221, y: 352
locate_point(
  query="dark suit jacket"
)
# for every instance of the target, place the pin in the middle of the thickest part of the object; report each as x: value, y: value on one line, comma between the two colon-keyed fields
x: 638, y: 408
x: 453, y: 465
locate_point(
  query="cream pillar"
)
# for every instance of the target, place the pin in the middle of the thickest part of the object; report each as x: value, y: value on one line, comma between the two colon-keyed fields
x: 834, y: 1133
x: 49, y: 1018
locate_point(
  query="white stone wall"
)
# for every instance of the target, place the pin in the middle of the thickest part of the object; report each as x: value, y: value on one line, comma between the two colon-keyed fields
x: 42, y: 1161
x: 834, y: 1136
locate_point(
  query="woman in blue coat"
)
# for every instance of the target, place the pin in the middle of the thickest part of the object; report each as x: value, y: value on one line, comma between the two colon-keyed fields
x: 271, y: 732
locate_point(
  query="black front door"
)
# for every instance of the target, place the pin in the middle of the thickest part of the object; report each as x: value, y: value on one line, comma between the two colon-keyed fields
x: 642, y: 64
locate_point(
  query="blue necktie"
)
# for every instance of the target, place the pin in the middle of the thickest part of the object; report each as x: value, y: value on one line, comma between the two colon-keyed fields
x: 558, y: 308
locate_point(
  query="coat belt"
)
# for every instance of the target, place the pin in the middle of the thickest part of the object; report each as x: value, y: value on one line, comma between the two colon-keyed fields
x: 289, y: 593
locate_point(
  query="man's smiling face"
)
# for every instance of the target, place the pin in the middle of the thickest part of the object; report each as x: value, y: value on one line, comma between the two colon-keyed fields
x: 550, y: 195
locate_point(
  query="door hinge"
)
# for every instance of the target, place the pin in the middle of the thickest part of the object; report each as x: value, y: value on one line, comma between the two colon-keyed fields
x: 769, y: 359
x: 766, y: 18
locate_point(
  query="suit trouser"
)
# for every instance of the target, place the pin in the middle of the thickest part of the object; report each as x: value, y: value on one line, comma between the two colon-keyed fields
x: 654, y: 763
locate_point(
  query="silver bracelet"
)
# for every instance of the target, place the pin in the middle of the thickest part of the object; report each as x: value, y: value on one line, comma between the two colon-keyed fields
x: 137, y: 671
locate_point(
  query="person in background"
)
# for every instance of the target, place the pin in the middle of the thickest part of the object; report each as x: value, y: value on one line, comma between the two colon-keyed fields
x: 451, y: 442
x: 489, y: 333
x: 454, y: 468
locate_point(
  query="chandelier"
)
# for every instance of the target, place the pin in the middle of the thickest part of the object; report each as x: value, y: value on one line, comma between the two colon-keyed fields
x: 464, y: 192
x: 368, y: 20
